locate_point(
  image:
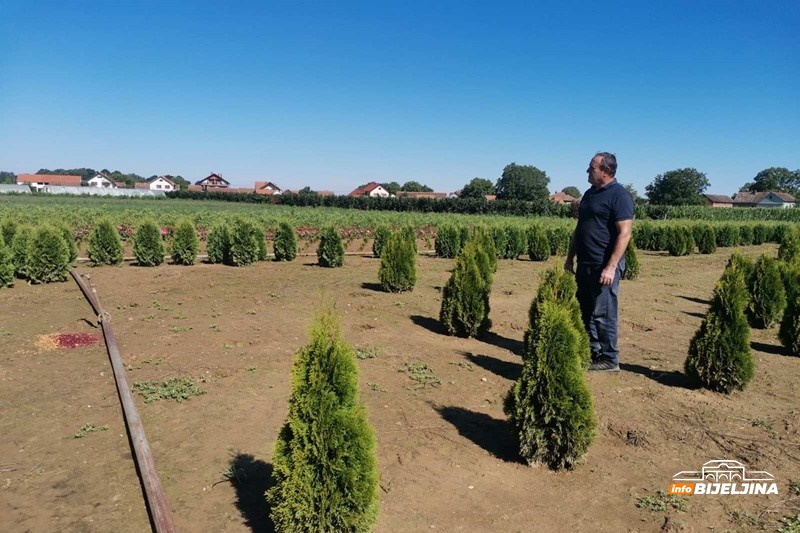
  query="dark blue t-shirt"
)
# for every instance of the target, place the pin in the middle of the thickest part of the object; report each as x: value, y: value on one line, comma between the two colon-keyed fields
x: 600, y: 210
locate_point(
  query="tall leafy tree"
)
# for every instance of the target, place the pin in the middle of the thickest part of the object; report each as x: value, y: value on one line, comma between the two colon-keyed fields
x: 307, y: 191
x: 522, y: 182
x: 8, y: 177
x: 415, y: 186
x: 180, y: 181
x: 572, y: 191
x: 634, y: 194
x: 391, y: 186
x: 775, y: 179
x: 85, y: 173
x: 477, y: 188
x: 684, y: 186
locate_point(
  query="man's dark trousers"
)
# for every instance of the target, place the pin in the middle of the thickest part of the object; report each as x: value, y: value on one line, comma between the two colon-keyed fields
x: 599, y: 310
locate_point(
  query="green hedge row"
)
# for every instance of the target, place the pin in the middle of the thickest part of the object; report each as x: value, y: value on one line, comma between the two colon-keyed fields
x: 681, y: 238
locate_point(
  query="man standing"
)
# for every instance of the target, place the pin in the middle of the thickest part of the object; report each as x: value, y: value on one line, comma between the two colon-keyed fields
x: 605, y: 219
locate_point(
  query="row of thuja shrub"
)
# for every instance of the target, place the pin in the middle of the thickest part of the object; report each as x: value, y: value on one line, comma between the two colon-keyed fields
x: 680, y: 238
x: 549, y: 407
x: 537, y: 241
x: 38, y: 255
x: 758, y: 294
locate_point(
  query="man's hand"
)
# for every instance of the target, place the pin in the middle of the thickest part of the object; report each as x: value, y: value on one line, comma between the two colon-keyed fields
x: 607, y: 275
x: 569, y: 265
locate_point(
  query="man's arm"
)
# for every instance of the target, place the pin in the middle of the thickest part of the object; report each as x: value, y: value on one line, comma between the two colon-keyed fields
x: 624, y: 228
x: 569, y: 264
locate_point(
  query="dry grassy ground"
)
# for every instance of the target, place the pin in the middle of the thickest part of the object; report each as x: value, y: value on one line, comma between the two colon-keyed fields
x: 447, y: 461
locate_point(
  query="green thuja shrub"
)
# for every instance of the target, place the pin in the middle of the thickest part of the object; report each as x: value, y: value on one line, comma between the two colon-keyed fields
x: 218, y: 244
x: 69, y: 240
x: 745, y: 265
x: 105, y: 245
x: 631, y: 262
x: 500, y: 239
x: 559, y: 239
x: 483, y: 239
x: 538, y: 245
x: 557, y: 285
x: 185, y: 243
x: 677, y: 245
x: 7, y: 230
x: 484, y: 263
x: 398, y: 270
x: 789, y: 249
x: 261, y: 245
x: 517, y: 239
x: 330, y: 252
x: 325, y: 471
x: 382, y: 234
x: 690, y: 242
x: 245, y: 242
x: 448, y: 241
x: 746, y: 235
x: 465, y: 296
x: 285, y: 245
x: 661, y: 238
x: 727, y: 235
x: 789, y: 332
x: 410, y: 234
x: 47, y: 256
x: 767, y: 294
x: 6, y: 264
x: 643, y: 235
x: 550, y: 407
x: 761, y: 233
x: 463, y: 236
x: 719, y: 353
x: 706, y: 238
x: 778, y: 231
x: 19, y: 250
x: 148, y: 248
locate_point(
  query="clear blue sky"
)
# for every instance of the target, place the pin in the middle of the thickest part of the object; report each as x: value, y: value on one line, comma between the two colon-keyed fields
x: 335, y: 94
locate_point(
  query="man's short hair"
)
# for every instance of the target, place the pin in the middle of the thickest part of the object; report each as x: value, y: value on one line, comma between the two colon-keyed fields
x: 608, y: 164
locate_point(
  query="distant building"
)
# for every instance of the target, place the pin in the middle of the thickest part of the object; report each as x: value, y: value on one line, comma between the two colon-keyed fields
x: 267, y: 187
x: 101, y: 180
x: 768, y: 199
x: 433, y: 195
x: 562, y: 198
x: 214, y: 181
x: 39, y: 181
x: 159, y: 183
x: 718, y: 200
x: 371, y: 189
x: 318, y: 193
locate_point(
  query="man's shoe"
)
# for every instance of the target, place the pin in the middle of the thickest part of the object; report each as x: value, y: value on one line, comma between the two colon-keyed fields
x: 604, y: 366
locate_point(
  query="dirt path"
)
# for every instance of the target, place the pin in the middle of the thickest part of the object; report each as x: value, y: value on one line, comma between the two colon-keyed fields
x: 447, y: 461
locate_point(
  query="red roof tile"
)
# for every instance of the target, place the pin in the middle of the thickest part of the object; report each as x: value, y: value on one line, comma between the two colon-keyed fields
x: 50, y: 179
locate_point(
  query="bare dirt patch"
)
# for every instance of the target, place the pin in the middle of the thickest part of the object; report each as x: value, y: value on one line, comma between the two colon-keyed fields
x: 447, y: 459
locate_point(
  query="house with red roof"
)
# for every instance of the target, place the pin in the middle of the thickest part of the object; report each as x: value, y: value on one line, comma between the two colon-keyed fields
x: 561, y: 198
x: 268, y: 188
x: 371, y: 189
x: 158, y: 183
x: 718, y: 200
x: 780, y: 200
x: 39, y: 181
x: 213, y: 181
